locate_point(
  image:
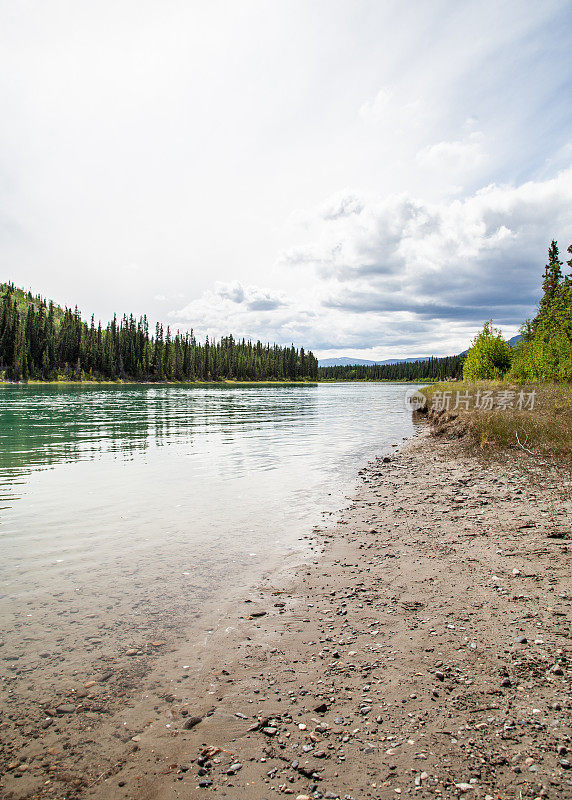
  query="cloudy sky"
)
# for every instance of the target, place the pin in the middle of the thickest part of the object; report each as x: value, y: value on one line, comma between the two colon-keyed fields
x: 364, y: 178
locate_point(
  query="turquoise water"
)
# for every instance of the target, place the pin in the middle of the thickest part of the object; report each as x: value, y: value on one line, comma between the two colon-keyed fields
x: 107, y: 490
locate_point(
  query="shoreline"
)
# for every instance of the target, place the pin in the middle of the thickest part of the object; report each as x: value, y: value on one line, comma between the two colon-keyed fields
x: 421, y: 650
x: 226, y: 382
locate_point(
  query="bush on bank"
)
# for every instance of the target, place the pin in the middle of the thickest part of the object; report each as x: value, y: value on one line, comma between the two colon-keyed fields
x: 489, y: 357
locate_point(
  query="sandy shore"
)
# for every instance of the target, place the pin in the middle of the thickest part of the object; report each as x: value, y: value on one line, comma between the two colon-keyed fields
x: 424, y: 650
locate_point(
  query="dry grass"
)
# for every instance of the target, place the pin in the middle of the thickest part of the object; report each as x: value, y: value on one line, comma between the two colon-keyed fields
x: 543, y: 433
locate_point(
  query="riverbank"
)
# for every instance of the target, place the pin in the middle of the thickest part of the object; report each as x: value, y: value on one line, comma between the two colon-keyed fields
x: 496, y: 418
x: 422, y: 650
x: 208, y: 384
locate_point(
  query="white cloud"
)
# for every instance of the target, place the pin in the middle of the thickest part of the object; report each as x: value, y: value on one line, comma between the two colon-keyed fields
x: 403, y: 272
x: 467, y: 259
x: 454, y: 157
x: 249, y: 311
x: 342, y: 204
x: 377, y: 107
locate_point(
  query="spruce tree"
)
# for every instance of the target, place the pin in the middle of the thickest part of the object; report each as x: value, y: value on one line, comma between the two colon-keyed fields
x: 568, y: 278
x: 552, y: 283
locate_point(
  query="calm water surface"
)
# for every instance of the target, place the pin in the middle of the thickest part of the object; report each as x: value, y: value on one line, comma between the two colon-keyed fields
x: 100, y: 485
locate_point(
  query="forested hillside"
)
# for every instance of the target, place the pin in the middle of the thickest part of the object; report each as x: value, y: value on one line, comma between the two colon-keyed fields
x: 430, y: 369
x: 40, y: 340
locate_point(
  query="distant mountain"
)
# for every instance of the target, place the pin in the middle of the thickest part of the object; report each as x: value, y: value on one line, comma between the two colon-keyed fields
x: 344, y: 361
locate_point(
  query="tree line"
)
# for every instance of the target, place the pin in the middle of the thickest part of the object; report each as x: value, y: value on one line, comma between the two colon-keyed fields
x: 433, y: 369
x: 41, y: 341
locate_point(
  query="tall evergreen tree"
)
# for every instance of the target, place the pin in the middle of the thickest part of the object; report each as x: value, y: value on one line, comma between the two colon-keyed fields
x: 552, y: 283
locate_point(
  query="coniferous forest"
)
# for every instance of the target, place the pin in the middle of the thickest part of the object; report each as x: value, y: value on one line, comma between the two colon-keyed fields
x: 42, y: 341
x: 432, y: 369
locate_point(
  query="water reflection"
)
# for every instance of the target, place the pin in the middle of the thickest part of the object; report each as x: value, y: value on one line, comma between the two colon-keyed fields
x: 45, y: 425
x: 91, y: 476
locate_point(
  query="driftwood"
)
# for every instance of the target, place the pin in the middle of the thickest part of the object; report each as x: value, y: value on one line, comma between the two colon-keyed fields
x: 522, y: 445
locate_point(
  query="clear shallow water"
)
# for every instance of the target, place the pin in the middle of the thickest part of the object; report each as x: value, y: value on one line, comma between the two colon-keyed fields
x: 102, y: 486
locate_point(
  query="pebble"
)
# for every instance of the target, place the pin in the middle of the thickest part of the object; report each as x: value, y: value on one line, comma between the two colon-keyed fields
x: 190, y: 722
x: 506, y: 682
x: 66, y: 708
x: 234, y: 768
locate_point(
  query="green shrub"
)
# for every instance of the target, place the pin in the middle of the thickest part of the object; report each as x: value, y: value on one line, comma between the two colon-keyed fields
x: 545, y: 357
x: 489, y: 357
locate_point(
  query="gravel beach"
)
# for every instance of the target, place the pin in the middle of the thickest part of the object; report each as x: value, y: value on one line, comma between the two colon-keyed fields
x: 423, y: 649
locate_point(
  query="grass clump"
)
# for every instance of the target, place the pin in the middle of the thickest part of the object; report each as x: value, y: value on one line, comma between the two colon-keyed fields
x: 533, y: 418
